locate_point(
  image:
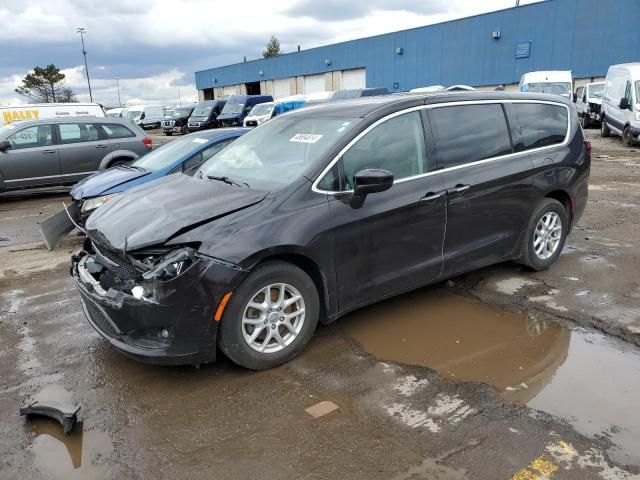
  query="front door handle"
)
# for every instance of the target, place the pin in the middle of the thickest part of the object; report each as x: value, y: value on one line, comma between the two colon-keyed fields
x: 458, y: 189
x: 430, y: 197
x: 102, y: 145
x: 48, y: 151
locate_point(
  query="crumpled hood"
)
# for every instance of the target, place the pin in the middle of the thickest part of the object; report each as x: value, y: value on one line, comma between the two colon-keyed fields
x: 100, y: 182
x: 152, y: 213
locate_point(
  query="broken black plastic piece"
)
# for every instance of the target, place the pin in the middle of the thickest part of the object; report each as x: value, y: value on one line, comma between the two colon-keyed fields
x: 65, y: 418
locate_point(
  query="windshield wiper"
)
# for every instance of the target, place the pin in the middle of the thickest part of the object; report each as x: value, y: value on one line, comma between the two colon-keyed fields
x: 226, y: 180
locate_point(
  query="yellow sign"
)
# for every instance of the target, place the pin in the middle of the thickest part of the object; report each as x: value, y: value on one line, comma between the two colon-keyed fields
x: 13, y: 115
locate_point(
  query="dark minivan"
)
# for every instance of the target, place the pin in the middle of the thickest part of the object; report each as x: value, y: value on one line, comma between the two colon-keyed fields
x: 205, y: 115
x: 322, y: 211
x: 238, y: 107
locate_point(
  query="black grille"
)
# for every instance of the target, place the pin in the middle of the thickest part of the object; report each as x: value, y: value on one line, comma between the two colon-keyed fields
x: 99, y: 319
x: 120, y: 266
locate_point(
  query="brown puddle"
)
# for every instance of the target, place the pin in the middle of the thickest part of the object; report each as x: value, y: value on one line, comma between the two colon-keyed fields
x: 590, y: 380
x: 80, y: 455
x: 463, y: 339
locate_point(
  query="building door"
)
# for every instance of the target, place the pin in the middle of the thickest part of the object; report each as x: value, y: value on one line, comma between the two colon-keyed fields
x: 281, y: 88
x: 314, y: 83
x: 253, y: 88
x: 356, y: 78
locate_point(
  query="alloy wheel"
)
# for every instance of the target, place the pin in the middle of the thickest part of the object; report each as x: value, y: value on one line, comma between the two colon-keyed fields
x: 273, y: 318
x: 547, y: 236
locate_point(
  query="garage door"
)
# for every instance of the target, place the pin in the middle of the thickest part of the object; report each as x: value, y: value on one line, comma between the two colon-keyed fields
x: 314, y: 83
x: 356, y: 78
x: 281, y: 88
x: 230, y: 90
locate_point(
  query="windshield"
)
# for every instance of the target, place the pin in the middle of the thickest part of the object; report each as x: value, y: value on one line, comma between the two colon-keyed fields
x: 261, y: 109
x: 132, y: 114
x: 638, y: 91
x: 4, y: 130
x: 201, y: 111
x: 181, y: 112
x: 166, y: 155
x: 232, y: 108
x: 558, y: 88
x: 596, y: 90
x: 279, y: 151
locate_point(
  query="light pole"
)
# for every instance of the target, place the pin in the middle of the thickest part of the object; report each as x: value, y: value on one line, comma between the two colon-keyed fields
x: 118, y: 87
x: 82, y: 31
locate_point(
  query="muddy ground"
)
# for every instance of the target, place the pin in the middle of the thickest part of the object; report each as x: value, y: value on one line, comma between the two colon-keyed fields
x: 502, y: 373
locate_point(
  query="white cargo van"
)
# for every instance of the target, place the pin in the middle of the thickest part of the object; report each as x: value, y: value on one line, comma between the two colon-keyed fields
x: 621, y: 103
x: 145, y: 116
x: 49, y: 110
x: 557, y: 82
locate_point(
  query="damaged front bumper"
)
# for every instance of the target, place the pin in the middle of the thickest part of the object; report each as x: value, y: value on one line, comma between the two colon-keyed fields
x: 156, y: 321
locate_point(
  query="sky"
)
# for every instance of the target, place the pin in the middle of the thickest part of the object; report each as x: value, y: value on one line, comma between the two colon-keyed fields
x: 155, y: 47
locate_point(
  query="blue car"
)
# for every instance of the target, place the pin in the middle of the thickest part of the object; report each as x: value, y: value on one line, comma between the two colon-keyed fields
x: 181, y: 155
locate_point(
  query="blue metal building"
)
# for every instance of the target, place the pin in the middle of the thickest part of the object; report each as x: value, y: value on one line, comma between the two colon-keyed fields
x: 584, y: 36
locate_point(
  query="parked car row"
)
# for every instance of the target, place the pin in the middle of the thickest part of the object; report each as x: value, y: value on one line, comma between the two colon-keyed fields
x: 319, y: 212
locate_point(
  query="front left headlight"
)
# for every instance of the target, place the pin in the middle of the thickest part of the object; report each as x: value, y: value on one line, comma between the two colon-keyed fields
x: 91, y: 204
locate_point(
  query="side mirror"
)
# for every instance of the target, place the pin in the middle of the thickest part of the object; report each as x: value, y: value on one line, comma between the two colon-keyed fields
x: 372, y: 180
x: 142, y: 116
x: 624, y: 104
x: 5, y: 145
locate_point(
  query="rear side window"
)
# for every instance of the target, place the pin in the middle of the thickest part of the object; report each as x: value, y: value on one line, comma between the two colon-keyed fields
x: 114, y: 130
x: 541, y: 124
x: 77, y: 132
x: 469, y: 133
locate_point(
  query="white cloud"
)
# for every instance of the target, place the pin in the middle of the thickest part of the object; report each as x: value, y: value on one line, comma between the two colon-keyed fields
x: 157, y: 89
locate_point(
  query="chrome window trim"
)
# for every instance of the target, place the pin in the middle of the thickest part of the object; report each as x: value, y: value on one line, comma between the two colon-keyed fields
x: 314, y: 186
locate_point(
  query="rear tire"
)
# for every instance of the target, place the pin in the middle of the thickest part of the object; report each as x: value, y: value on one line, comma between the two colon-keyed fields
x: 627, y: 139
x: 604, y: 128
x: 119, y: 162
x: 546, y: 234
x: 253, y: 321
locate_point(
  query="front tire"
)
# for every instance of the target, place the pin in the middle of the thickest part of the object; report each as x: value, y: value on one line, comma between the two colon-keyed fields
x: 270, y: 317
x: 627, y: 139
x: 546, y: 234
x: 604, y: 128
x: 586, y: 121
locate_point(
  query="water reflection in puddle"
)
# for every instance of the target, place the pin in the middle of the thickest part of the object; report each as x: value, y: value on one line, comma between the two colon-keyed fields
x: 77, y: 456
x: 66, y: 457
x: 591, y: 381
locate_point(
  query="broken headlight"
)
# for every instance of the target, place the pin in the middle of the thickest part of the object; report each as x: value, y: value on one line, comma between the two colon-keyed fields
x: 167, y: 266
x: 91, y: 204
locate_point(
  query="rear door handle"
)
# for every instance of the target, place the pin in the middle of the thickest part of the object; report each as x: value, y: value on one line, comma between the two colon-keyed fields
x: 430, y: 197
x: 48, y: 151
x: 102, y: 145
x: 458, y: 189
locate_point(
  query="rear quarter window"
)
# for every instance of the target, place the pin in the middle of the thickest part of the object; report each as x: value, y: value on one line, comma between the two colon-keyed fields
x: 541, y: 124
x: 469, y: 133
x: 114, y: 130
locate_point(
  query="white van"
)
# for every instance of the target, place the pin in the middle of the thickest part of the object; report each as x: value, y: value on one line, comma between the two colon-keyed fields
x: 621, y: 103
x: 145, y: 116
x: 588, y: 100
x: 559, y: 82
x: 49, y: 110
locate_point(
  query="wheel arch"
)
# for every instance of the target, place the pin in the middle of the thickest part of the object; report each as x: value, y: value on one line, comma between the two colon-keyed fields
x: 311, y: 268
x: 565, y: 199
x: 117, y: 155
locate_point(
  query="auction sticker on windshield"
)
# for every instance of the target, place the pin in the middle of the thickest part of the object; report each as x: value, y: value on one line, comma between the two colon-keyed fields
x: 305, y: 138
x: 200, y: 140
